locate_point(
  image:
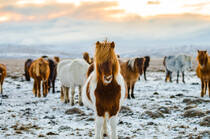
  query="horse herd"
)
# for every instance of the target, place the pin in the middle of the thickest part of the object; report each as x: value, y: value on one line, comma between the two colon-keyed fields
x: 104, y: 81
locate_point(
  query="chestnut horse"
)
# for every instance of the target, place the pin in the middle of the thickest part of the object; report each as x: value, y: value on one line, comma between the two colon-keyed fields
x: 203, y: 71
x: 105, y: 90
x: 40, y: 71
x: 26, y: 69
x: 87, y: 58
x: 3, y: 74
x: 131, y: 70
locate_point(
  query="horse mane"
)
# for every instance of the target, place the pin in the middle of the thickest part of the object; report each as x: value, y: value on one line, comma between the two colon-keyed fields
x: 105, y: 52
x: 131, y: 63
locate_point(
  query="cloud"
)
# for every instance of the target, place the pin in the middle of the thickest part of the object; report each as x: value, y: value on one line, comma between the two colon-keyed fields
x: 86, y: 10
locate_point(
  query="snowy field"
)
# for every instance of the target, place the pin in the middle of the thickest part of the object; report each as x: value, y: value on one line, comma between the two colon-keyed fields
x: 160, y: 111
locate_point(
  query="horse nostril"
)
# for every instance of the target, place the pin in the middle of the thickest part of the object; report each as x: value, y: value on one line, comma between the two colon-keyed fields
x: 108, y: 78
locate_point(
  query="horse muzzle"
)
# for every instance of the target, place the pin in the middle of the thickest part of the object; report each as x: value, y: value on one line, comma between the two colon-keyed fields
x: 107, y: 79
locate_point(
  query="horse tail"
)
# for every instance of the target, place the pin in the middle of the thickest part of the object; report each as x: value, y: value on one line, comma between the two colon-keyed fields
x: 164, y: 61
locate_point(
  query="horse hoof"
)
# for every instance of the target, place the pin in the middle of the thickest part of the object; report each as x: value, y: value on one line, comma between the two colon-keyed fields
x: 105, y: 135
x: 129, y: 97
x: 132, y: 96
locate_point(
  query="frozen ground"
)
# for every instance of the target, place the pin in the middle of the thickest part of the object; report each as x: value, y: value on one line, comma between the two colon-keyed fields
x: 160, y: 111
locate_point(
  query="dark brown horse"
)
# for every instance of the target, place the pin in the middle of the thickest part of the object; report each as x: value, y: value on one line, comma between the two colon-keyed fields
x: 3, y: 74
x: 146, y: 65
x: 26, y: 69
x: 203, y: 71
x: 40, y: 71
x: 131, y: 70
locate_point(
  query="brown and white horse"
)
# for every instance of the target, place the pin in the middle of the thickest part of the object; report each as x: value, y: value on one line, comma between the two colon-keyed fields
x: 131, y: 70
x: 105, y: 90
x: 3, y: 74
x: 203, y: 71
x: 40, y: 71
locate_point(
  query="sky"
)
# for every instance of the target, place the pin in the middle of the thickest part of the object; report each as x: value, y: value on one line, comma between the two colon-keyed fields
x: 130, y: 23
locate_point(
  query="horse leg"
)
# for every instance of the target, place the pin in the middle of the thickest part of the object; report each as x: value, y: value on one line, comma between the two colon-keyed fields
x: 202, y: 88
x: 45, y: 88
x: 35, y: 88
x: 166, y: 76
x: 183, y: 77
x: 80, y: 96
x: 177, y: 80
x: 209, y: 87
x: 62, y: 93
x: 132, y: 89
x: 145, y: 78
x: 38, y: 88
x: 98, y: 127
x: 205, y: 87
x: 104, y: 133
x: 53, y: 86
x: 170, y: 76
x: 113, y: 125
x: 128, y: 85
x: 1, y: 88
x: 66, y: 94
x: 72, y: 95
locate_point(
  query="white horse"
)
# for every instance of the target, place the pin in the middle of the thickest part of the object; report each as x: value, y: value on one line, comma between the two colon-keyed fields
x: 72, y: 73
x: 177, y: 64
x: 104, y: 90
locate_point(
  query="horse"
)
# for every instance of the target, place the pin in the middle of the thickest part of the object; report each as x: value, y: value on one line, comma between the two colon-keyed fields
x: 146, y: 65
x: 131, y: 71
x: 105, y: 90
x: 87, y: 58
x: 3, y: 74
x: 203, y: 71
x: 27, y: 65
x: 40, y: 71
x: 53, y: 71
x: 177, y: 64
x: 72, y: 73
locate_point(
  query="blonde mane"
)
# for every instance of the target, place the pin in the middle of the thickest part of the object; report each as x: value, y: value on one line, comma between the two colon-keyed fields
x: 105, y: 52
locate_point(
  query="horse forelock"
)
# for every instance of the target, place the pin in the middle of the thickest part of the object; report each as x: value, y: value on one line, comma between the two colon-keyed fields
x: 104, y: 53
x: 202, y: 58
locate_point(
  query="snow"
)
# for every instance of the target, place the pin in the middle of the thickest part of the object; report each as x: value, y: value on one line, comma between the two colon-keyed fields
x: 43, y: 116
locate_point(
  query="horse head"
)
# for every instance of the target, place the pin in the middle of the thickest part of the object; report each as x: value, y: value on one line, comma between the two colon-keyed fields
x: 106, y: 62
x: 202, y: 58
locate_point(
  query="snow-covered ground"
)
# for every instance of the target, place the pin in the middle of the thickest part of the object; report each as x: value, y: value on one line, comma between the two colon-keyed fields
x: 160, y: 111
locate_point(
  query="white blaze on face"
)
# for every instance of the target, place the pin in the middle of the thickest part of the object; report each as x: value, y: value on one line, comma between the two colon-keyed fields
x: 107, y: 79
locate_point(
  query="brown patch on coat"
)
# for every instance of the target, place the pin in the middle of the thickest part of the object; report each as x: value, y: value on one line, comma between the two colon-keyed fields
x: 88, y: 91
x: 107, y: 98
x: 203, y: 71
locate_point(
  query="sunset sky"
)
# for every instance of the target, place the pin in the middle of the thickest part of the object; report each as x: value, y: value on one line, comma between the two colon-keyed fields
x: 129, y: 22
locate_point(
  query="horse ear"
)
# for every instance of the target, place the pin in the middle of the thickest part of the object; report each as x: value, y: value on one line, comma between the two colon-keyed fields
x: 205, y: 51
x: 97, y: 44
x: 112, y: 44
x: 198, y: 51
